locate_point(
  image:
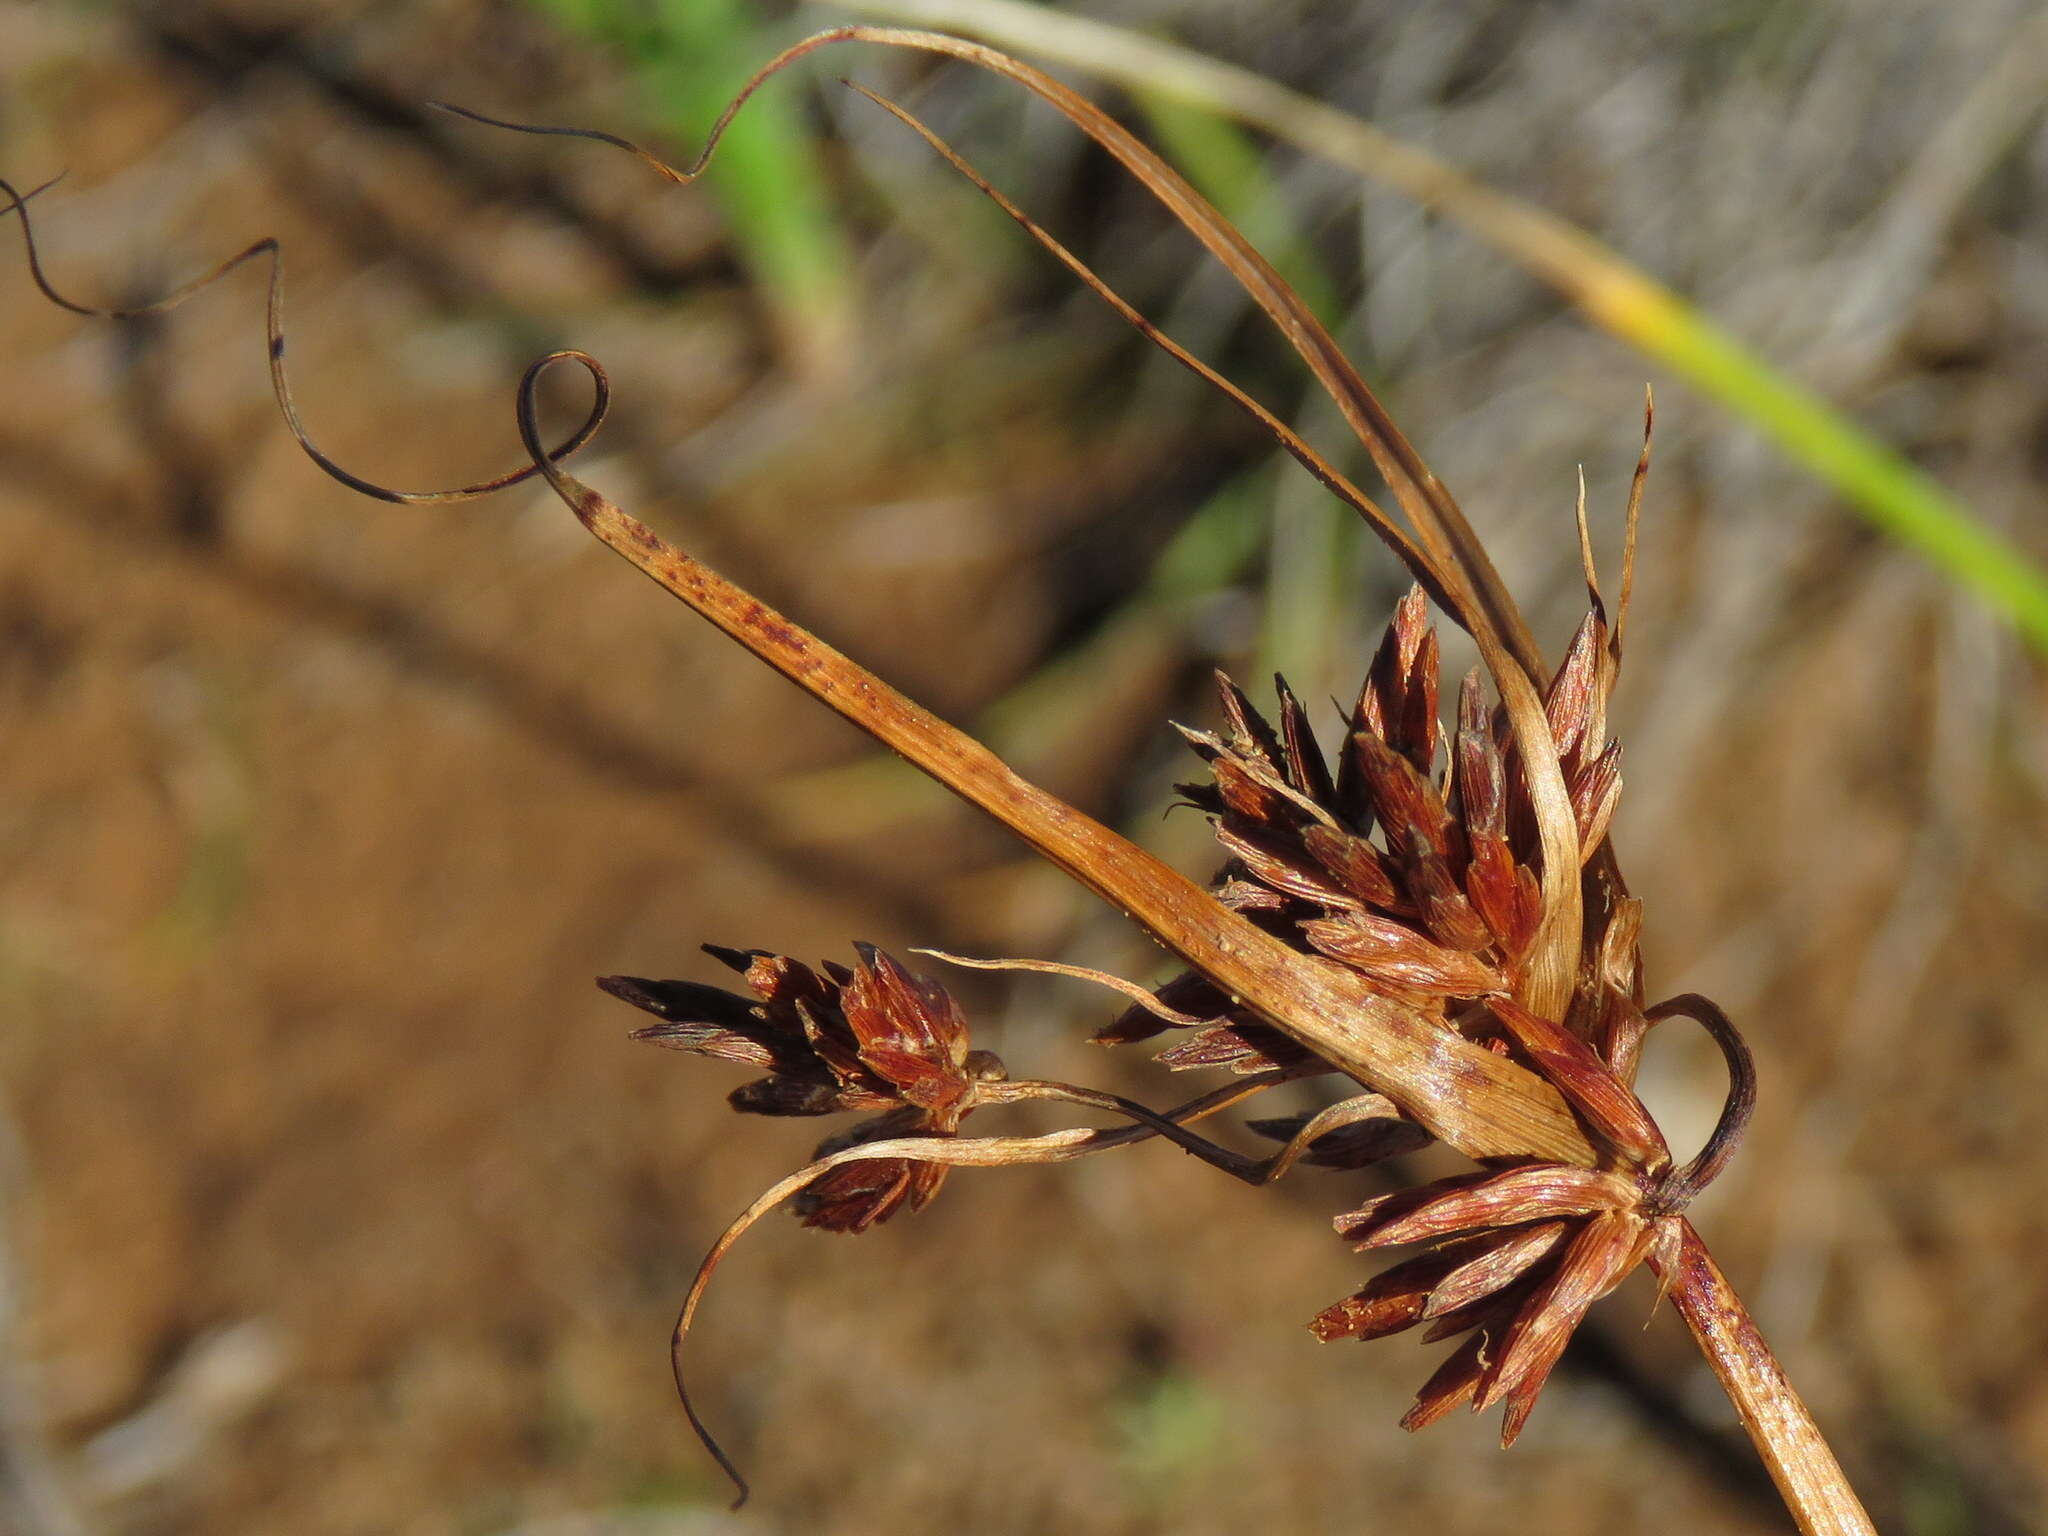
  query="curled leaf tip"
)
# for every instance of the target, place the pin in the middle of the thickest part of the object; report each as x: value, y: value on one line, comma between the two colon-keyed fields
x: 280, y: 380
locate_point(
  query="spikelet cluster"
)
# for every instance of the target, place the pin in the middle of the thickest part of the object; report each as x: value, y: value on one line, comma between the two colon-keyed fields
x: 1423, y: 877
x: 874, y: 1037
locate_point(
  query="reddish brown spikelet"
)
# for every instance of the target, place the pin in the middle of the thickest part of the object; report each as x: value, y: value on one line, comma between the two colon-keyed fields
x: 1250, y: 736
x: 1449, y: 1384
x: 1406, y: 803
x: 1575, y: 703
x: 857, y: 1196
x: 911, y: 1032
x: 1254, y: 789
x: 1536, y: 1193
x: 1489, y: 1313
x: 1595, y: 790
x: 1481, y: 789
x: 873, y: 1037
x: 1603, y: 1098
x: 1358, y: 867
x: 1394, y: 1299
x: 1445, y: 912
x: 1398, y: 703
x: 1605, y: 1250
x: 1306, y: 769
x: 1288, y: 865
x: 1495, y: 1267
x: 1399, y: 956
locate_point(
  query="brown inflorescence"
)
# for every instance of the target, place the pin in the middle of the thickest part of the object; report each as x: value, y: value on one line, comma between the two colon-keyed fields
x: 1519, y: 1255
x: 1425, y: 880
x: 1440, y: 911
x: 874, y: 1037
x: 1414, y: 863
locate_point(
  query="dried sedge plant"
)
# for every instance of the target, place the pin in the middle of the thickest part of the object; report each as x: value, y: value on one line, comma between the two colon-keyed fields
x: 1436, y: 916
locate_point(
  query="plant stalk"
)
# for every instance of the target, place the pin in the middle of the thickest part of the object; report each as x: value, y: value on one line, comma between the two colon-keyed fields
x: 1809, y: 1479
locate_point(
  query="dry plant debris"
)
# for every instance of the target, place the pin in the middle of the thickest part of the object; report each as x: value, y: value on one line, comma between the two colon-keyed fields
x: 1458, y: 941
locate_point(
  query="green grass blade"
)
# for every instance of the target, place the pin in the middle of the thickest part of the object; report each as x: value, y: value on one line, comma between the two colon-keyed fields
x: 1889, y: 490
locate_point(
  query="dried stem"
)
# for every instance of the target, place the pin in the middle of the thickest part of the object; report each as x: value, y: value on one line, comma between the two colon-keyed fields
x: 1808, y: 1477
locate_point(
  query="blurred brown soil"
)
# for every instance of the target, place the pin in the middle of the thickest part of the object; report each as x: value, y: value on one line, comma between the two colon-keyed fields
x: 319, y: 815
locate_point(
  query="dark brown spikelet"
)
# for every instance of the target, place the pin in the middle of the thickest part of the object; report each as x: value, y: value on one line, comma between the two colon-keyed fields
x: 1426, y: 881
x: 1517, y: 1256
x: 873, y: 1037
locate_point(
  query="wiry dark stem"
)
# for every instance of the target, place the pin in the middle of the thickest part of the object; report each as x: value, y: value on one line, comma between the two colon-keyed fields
x: 1678, y: 1189
x: 1238, y: 1166
x: 280, y: 380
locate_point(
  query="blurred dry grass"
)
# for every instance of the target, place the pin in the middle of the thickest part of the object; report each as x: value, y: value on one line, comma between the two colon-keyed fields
x: 340, y: 1203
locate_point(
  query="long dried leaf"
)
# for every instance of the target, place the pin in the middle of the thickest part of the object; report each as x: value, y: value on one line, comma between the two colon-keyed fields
x: 280, y: 380
x: 1465, y: 1095
x: 1416, y: 559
